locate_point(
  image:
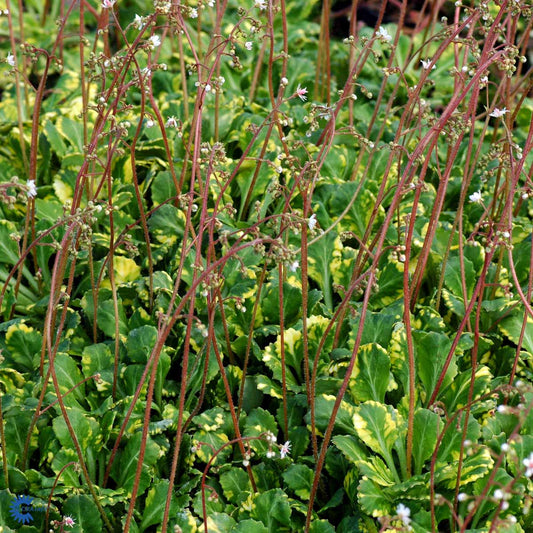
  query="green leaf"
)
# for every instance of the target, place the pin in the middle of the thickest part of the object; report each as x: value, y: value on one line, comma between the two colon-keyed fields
x: 376, y: 427
x: 155, y: 505
x: 292, y: 302
x: 426, y: 427
x: 167, y: 224
x: 72, y: 131
x: 321, y: 526
x: 87, y: 519
x: 63, y: 462
x: 9, y: 250
x: 454, y: 278
x: 17, y: 422
x: 389, y: 284
x: 372, y: 500
x: 257, y: 422
x: 431, y: 352
x: 299, y: 478
x: 54, y: 138
x: 473, y: 468
x: 249, y: 526
x: 23, y: 346
x: 125, y: 467
x: 376, y: 470
x: 140, y: 343
x: 320, y: 255
x: 511, y: 327
x: 220, y: 523
x: 323, y: 411
x: 456, y: 395
x: 370, y: 376
x: 273, y: 509
x: 378, y: 328
x: 350, y: 447
x: 234, y: 483
x: 98, y: 359
x: 85, y: 428
x: 68, y: 376
x: 415, y: 488
x: 106, y: 317
x: 450, y: 446
x: 163, y: 187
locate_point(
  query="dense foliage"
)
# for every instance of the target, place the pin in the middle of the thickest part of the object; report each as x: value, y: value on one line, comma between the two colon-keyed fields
x: 256, y: 277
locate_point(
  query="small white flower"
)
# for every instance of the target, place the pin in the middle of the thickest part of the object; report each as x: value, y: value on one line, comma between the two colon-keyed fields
x: 32, y: 189
x: 270, y: 437
x: 68, y: 521
x: 384, y: 35
x: 150, y: 123
x: 270, y: 454
x: 138, y: 22
x: 293, y: 267
x: 10, y: 59
x: 497, y: 113
x: 245, y: 462
x: 146, y: 72
x: 248, y: 45
x: 404, y: 514
x: 155, y: 41
x: 285, y: 449
x: 502, y: 409
x: 498, y: 494
x: 193, y: 13
x: 476, y: 197
x: 171, y: 122
x: 301, y: 92
x: 211, y: 3
x: 426, y: 63
x: 261, y: 4
x: 108, y: 4
x: 528, y: 463
x: 484, y: 79
x: 505, y: 447
x: 462, y: 496
x: 312, y: 222
x: 207, y: 87
x: 284, y: 81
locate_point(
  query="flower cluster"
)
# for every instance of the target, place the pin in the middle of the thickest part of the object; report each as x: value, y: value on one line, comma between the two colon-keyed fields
x: 528, y: 463
x: 284, y: 449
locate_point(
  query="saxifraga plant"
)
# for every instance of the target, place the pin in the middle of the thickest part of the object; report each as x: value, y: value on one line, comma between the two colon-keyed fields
x: 195, y: 257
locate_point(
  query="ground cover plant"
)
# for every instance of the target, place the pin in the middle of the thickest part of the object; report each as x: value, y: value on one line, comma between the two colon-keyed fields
x: 259, y: 274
